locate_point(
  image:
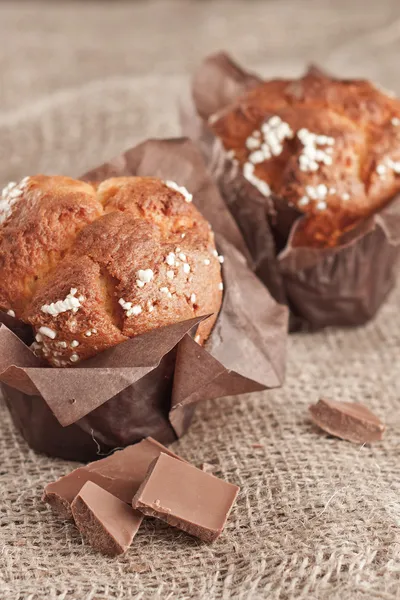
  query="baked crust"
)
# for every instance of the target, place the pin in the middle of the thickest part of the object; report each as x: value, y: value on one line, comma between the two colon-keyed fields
x: 39, y: 231
x: 335, y: 180
x: 134, y: 256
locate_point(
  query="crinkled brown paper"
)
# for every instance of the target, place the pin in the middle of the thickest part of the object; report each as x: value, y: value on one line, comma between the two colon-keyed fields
x: 150, y: 384
x: 344, y: 285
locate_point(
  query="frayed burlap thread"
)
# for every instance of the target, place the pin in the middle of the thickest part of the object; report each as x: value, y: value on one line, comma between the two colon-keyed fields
x: 317, y: 518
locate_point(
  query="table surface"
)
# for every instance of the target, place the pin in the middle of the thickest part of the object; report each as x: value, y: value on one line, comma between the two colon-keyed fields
x: 317, y: 518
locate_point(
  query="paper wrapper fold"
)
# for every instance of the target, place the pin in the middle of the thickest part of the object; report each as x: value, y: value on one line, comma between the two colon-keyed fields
x: 150, y: 384
x: 344, y: 285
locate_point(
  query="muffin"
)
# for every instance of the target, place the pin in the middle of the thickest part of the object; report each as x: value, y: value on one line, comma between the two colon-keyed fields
x: 310, y: 170
x: 137, y: 256
x: 329, y: 149
x: 91, y: 265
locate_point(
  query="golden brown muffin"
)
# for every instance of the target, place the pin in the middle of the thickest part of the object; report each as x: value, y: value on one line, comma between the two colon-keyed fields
x: 144, y: 259
x: 328, y: 148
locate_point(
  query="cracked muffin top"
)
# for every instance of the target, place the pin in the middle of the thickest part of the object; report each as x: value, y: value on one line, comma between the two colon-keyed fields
x: 329, y: 148
x: 91, y: 265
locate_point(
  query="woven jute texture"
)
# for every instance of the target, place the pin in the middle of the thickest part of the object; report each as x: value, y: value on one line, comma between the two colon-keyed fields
x: 317, y: 518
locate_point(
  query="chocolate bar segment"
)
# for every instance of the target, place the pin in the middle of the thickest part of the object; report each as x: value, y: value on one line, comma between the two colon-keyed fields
x: 186, y: 498
x: 347, y: 420
x: 120, y: 474
x: 108, y: 524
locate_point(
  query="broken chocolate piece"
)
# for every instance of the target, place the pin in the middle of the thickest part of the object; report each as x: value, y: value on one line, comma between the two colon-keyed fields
x: 108, y: 524
x: 208, y: 467
x: 186, y: 497
x: 120, y: 474
x: 347, y: 420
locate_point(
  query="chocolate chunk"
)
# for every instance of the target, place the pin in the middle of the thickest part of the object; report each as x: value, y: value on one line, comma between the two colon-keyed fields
x: 347, y: 420
x: 120, y: 474
x: 108, y: 524
x: 186, y: 497
x: 208, y: 467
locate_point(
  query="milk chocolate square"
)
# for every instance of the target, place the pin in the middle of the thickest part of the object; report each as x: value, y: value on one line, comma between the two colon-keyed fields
x: 347, y: 420
x: 108, y: 524
x: 186, y: 497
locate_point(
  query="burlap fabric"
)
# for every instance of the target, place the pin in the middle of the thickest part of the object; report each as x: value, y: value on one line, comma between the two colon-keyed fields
x: 317, y: 518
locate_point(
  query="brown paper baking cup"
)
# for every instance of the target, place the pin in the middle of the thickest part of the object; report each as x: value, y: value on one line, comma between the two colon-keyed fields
x: 345, y: 285
x: 150, y: 384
